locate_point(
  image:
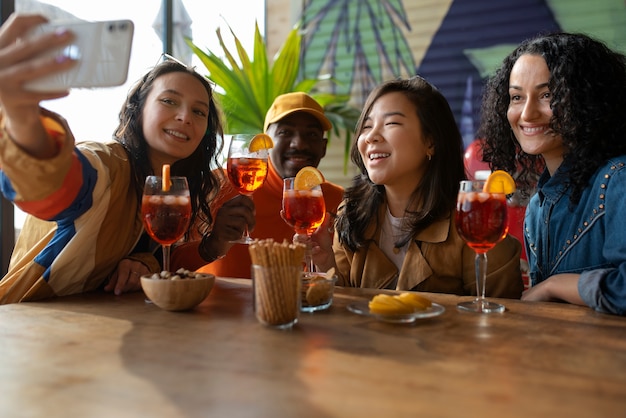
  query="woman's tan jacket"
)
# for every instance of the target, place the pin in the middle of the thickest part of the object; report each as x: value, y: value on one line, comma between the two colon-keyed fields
x: 437, y: 260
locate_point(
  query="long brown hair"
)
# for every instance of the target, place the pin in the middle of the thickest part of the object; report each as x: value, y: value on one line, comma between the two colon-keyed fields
x: 588, y: 97
x: 198, y: 167
x: 436, y: 193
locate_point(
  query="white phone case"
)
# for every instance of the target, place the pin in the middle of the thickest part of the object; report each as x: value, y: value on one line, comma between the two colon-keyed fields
x: 103, y: 53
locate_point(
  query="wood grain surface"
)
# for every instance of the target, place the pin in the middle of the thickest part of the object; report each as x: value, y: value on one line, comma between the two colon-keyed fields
x: 99, y: 355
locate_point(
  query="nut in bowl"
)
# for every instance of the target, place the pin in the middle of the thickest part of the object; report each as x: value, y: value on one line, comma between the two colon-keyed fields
x: 179, y: 291
x: 317, y: 291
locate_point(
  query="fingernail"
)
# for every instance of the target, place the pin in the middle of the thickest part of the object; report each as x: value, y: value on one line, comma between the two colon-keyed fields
x: 60, y: 59
x: 61, y: 32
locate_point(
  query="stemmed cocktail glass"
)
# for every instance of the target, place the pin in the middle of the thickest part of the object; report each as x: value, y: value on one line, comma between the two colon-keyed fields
x: 166, y: 211
x: 481, y: 219
x: 247, y: 169
x: 304, y: 211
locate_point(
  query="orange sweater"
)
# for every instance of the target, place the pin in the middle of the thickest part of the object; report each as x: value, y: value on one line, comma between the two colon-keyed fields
x: 269, y: 224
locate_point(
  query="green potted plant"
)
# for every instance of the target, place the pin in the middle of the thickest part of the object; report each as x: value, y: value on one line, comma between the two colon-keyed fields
x: 246, y: 88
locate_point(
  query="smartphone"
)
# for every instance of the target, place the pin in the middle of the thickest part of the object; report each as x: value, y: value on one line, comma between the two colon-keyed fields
x: 101, y: 48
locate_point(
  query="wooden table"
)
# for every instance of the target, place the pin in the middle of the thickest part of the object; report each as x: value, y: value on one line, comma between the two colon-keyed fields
x: 104, y: 356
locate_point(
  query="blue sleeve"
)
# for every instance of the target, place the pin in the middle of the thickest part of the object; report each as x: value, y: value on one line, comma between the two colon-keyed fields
x: 605, y: 289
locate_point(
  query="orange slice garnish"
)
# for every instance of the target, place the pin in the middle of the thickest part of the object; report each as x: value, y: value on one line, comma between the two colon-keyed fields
x: 261, y: 141
x: 307, y: 178
x: 499, y: 182
x: 165, y: 178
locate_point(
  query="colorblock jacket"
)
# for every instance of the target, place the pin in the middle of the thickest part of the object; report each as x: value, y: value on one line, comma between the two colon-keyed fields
x: 84, y: 216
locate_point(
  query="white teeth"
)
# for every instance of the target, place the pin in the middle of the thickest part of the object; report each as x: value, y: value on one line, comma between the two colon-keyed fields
x: 378, y: 155
x: 176, y: 134
x: 540, y: 129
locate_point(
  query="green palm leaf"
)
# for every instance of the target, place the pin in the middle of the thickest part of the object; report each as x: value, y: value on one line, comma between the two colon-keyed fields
x: 246, y: 88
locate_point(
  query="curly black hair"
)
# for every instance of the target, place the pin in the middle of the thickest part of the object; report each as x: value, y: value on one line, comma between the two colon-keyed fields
x: 437, y: 192
x: 204, y: 183
x: 588, y: 100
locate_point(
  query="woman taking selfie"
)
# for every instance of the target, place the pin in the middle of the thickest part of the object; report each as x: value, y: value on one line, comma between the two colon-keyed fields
x: 85, y: 228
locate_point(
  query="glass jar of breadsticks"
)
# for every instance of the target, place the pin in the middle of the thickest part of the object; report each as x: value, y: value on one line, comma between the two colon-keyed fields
x: 277, y: 280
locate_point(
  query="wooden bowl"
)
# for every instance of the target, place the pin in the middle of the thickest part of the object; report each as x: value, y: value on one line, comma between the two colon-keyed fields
x: 177, y: 295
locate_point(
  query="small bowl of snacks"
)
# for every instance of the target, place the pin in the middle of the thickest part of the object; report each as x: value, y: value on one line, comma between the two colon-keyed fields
x: 317, y: 291
x: 178, y: 291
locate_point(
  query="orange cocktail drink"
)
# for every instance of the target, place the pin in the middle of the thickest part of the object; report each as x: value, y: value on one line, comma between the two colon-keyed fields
x: 166, y: 218
x: 304, y: 210
x: 247, y: 174
x: 481, y: 219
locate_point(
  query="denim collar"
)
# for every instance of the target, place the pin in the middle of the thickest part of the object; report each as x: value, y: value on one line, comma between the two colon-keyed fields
x: 552, y: 188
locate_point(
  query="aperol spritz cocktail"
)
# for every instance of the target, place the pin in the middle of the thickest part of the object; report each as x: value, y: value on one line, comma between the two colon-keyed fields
x: 247, y: 166
x: 304, y: 211
x: 247, y: 174
x: 481, y: 220
x: 166, y: 212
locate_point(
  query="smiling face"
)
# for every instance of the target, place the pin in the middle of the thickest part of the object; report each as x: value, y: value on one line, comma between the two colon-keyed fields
x: 392, y: 144
x: 175, y: 118
x: 529, y: 110
x: 298, y: 142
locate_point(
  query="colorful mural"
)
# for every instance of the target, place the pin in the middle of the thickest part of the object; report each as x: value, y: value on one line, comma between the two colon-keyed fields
x: 356, y: 42
x: 360, y: 43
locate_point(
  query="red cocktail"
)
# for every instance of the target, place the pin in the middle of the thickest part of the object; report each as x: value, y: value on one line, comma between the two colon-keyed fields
x: 304, y: 210
x: 247, y: 168
x: 247, y: 174
x: 166, y: 218
x: 481, y: 220
x: 166, y: 211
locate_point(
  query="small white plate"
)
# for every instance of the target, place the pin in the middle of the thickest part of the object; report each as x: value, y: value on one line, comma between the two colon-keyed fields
x: 362, y: 308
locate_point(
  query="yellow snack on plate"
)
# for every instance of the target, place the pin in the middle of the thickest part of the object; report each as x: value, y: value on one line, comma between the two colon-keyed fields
x: 402, y: 304
x: 418, y: 302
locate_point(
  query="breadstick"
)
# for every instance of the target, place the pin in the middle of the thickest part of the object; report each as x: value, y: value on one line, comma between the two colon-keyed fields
x: 276, y: 304
x: 277, y: 293
x: 262, y: 300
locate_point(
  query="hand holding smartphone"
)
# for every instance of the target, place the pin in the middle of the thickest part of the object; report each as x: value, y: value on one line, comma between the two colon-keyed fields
x: 101, y: 48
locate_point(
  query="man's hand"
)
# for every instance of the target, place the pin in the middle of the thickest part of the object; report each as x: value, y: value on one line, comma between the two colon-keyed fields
x: 230, y: 223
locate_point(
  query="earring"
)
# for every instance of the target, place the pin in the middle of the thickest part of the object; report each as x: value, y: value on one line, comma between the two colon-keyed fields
x: 430, y: 157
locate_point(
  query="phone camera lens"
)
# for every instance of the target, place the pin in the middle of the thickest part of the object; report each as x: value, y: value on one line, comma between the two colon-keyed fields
x: 111, y: 27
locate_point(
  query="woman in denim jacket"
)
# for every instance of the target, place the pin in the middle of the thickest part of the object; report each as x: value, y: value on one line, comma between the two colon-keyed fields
x: 558, y: 105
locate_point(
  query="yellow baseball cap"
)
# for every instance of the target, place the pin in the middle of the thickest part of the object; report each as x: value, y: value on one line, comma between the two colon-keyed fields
x: 289, y: 103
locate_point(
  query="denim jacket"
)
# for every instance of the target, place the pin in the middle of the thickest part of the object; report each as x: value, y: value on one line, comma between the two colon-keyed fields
x: 588, y: 238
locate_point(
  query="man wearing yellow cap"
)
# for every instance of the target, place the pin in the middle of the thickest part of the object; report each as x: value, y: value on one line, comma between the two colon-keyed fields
x: 298, y: 126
